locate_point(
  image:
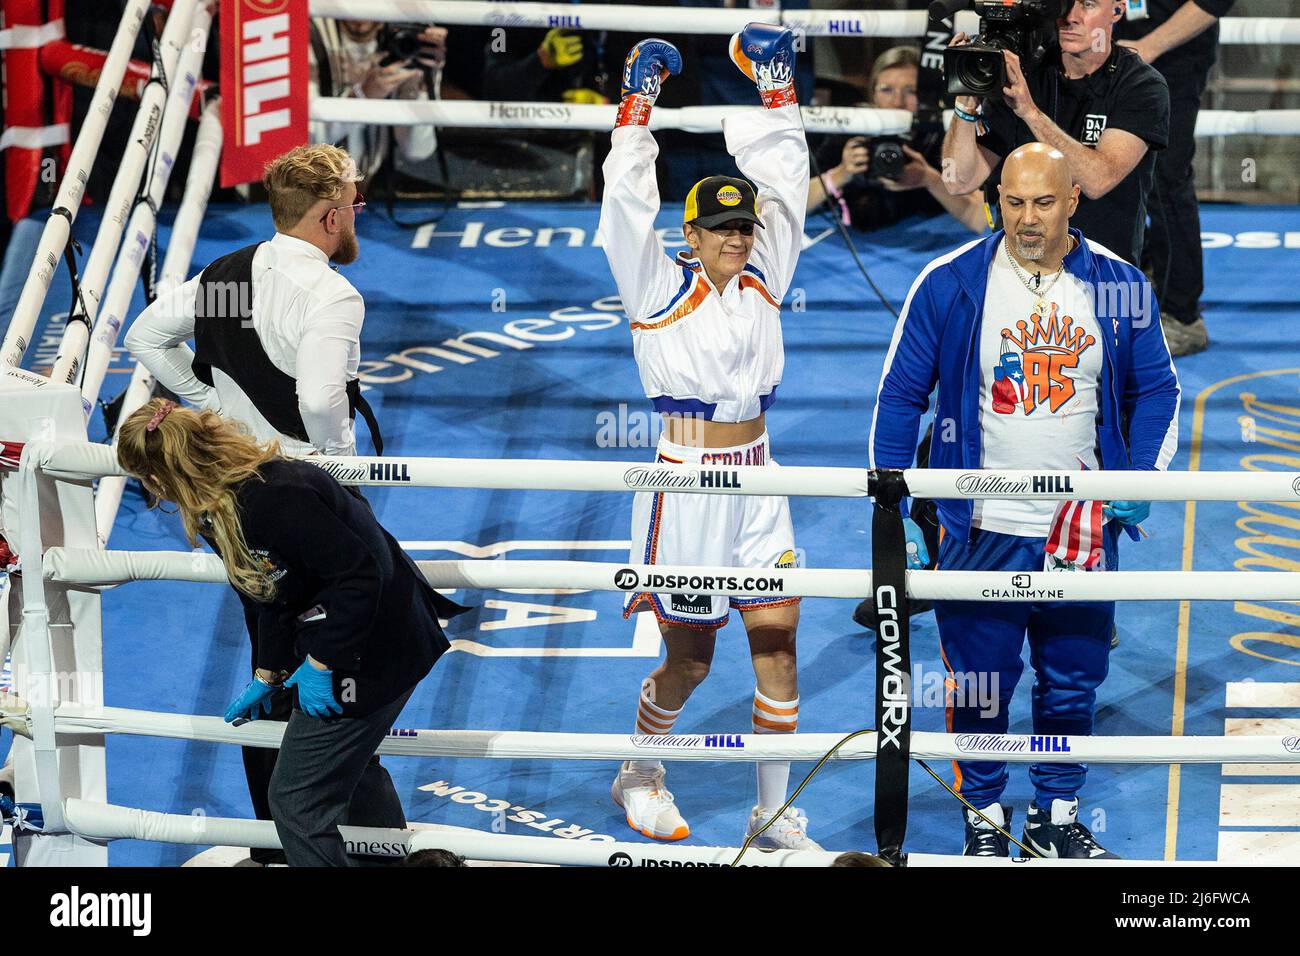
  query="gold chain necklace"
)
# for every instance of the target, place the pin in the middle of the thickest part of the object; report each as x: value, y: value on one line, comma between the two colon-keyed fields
x: 1035, y: 286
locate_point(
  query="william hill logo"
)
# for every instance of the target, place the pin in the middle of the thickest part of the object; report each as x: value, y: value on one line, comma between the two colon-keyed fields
x: 844, y: 27
x: 719, y: 479
x: 1050, y: 344
x: 389, y: 471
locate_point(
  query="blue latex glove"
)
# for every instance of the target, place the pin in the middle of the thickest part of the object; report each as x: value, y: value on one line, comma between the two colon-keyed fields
x: 315, y: 691
x: 918, y: 555
x: 1128, y: 513
x: 254, y: 702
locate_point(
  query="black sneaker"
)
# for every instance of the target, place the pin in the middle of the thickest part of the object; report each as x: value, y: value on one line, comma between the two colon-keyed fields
x: 981, y: 838
x: 1070, y: 840
x: 865, y: 613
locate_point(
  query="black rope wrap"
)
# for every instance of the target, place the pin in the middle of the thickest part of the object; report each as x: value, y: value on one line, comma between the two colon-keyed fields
x: 893, y: 664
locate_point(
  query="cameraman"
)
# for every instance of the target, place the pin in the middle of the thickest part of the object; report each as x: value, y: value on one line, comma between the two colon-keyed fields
x: 1096, y: 102
x: 1181, y: 40
x: 348, y: 60
x: 917, y: 190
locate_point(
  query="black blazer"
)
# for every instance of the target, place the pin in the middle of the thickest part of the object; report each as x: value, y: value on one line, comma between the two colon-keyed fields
x: 347, y: 594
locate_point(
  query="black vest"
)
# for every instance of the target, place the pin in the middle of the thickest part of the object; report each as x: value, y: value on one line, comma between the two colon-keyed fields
x: 224, y: 338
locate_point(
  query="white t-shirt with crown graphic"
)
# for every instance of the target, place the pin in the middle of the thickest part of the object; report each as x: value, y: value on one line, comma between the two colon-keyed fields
x: 1039, y: 375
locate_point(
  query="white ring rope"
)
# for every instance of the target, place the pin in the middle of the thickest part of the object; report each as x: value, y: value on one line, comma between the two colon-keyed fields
x: 86, y: 568
x: 630, y: 17
x: 537, y: 745
x: 99, y: 821
x: 130, y: 166
x: 865, y: 121
x: 527, y: 115
x: 85, y: 460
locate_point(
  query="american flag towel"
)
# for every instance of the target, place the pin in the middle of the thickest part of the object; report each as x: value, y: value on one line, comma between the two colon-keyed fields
x: 1075, y: 541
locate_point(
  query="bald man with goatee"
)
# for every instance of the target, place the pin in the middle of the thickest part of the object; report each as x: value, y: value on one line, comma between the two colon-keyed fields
x: 1047, y: 354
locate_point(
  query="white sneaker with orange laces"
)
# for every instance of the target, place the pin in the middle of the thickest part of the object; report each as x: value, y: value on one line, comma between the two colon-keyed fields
x: 649, y: 805
x: 788, y: 832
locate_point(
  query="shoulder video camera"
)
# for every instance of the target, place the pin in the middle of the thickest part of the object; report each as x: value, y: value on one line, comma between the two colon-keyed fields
x: 1025, y: 27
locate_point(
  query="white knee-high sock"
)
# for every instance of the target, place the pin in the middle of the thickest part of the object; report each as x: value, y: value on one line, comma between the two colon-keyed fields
x: 651, y: 719
x: 774, y: 717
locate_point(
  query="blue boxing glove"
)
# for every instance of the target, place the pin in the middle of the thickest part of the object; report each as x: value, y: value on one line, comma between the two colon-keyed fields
x: 764, y: 52
x: 918, y: 555
x: 254, y: 702
x: 315, y: 691
x: 648, y: 64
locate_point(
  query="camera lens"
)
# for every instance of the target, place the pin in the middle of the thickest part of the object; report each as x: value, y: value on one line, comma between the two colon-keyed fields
x: 980, y: 72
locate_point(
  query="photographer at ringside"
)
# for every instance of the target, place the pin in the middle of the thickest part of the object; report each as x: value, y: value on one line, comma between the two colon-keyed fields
x: 1096, y: 102
x: 366, y: 59
x: 873, y: 183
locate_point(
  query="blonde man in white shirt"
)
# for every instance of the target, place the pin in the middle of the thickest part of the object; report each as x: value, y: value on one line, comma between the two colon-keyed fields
x: 277, y: 330
x: 707, y: 339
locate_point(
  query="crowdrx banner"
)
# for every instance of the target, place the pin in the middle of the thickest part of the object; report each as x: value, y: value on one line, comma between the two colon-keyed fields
x: 264, y: 76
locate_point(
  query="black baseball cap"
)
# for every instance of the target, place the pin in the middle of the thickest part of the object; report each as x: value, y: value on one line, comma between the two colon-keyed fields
x: 719, y: 199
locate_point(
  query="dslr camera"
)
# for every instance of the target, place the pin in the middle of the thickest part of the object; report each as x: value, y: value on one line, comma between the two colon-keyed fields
x: 887, y: 158
x: 399, y: 42
x: 1025, y: 27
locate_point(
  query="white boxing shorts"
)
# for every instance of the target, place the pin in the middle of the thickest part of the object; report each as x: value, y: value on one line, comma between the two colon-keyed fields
x: 742, y: 531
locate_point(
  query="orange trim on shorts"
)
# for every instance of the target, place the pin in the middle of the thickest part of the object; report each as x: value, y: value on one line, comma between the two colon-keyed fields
x: 784, y: 602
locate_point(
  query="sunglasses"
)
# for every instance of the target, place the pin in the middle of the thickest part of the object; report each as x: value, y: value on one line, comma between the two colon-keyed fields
x: 358, y: 205
x: 742, y: 226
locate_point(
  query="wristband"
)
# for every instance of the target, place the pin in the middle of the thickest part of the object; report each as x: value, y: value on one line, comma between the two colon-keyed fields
x: 962, y: 114
x: 838, y: 196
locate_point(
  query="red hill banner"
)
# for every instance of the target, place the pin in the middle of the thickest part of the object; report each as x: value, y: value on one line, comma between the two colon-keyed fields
x: 264, y: 76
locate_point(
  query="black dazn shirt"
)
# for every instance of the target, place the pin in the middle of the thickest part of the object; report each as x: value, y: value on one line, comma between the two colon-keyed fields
x: 1124, y: 93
